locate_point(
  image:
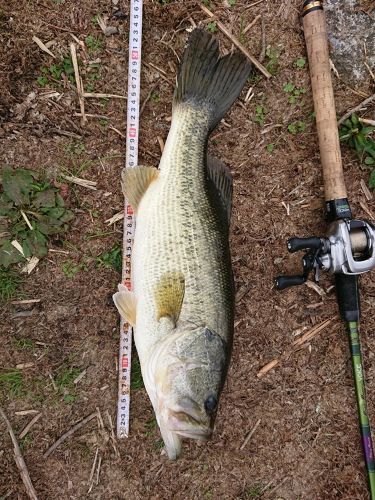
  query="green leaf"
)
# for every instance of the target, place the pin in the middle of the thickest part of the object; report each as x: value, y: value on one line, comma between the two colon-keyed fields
x: 270, y: 147
x: 355, y: 120
x: 367, y: 130
x: 288, y: 87
x: 6, y: 205
x: 35, y: 244
x: 348, y: 124
x: 56, y: 212
x: 300, y: 62
x: 369, y: 160
x: 371, y: 182
x: 45, y: 198
x: 17, y: 184
x: 9, y: 254
x: 59, y: 200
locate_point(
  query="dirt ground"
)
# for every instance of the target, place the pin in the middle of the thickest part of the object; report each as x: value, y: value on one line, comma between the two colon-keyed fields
x: 306, y: 444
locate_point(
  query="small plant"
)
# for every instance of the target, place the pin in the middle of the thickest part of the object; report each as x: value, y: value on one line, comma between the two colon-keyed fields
x: 260, y: 115
x: 231, y: 3
x: 93, y: 43
x: 136, y: 375
x: 296, y: 127
x: 24, y: 343
x: 10, y: 281
x: 294, y: 92
x: 151, y: 425
x: 300, y: 62
x: 55, y: 72
x: 71, y: 268
x: 112, y: 258
x: 254, y: 491
x: 11, y: 382
x: 93, y: 75
x: 65, y: 382
x: 270, y: 147
x: 31, y: 211
x: 211, y: 26
x: 272, y: 64
x: 155, y: 96
x: 357, y: 136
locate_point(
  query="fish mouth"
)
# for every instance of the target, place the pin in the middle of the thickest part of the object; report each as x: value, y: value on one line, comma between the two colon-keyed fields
x: 189, y: 425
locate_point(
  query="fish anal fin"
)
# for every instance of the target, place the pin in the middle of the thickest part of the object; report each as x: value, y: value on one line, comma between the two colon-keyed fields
x: 222, y: 178
x: 169, y: 295
x: 126, y: 304
x: 135, y: 182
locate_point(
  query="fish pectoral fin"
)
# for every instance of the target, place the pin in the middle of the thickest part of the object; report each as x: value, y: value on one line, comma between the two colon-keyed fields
x: 222, y: 178
x: 169, y: 295
x: 126, y: 304
x: 135, y: 182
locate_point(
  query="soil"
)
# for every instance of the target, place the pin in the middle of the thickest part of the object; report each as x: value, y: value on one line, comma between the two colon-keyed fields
x: 307, y: 444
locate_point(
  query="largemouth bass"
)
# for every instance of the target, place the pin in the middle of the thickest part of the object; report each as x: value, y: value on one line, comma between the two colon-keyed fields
x: 182, y: 302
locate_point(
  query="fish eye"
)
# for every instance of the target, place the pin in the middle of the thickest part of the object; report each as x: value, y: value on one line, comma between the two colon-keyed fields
x: 210, y: 404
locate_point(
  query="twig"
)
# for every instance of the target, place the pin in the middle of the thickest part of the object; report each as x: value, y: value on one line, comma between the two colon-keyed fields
x: 367, y: 121
x: 78, y: 82
x: 29, y: 425
x: 253, y: 4
x: 91, y: 482
x: 366, y: 190
x: 80, y: 182
x: 115, y: 218
x: 248, y: 437
x: 28, y: 301
x: 103, y: 96
x: 68, y: 433
x: 356, y: 108
x: 262, y: 54
x: 237, y: 43
x: 250, y: 25
x: 366, y: 209
x: 41, y: 45
x: 117, y: 131
x: 148, y: 98
x: 25, y: 476
x: 27, y: 220
x: 25, y: 412
x: 306, y: 337
x: 113, y: 437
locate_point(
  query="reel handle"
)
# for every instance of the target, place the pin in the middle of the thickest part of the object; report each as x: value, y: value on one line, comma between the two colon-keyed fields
x: 286, y: 281
x: 296, y: 244
x: 314, y: 25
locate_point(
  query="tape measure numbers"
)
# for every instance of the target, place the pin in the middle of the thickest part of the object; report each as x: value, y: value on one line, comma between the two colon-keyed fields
x: 132, y: 136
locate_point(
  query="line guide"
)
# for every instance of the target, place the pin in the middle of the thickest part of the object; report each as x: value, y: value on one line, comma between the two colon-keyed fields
x: 132, y: 137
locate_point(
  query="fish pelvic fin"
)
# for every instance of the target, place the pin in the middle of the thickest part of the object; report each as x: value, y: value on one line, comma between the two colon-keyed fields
x: 169, y: 296
x: 206, y: 79
x: 222, y: 178
x: 126, y: 304
x: 135, y: 182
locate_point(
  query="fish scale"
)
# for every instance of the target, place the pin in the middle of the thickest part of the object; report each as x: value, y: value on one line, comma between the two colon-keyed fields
x: 193, y: 241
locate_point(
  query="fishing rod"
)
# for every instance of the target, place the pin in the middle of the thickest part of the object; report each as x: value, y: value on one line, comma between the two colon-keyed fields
x: 348, y: 249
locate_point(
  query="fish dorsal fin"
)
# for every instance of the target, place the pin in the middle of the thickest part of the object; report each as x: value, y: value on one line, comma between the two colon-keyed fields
x: 135, y: 182
x: 222, y: 178
x: 126, y: 304
x: 169, y: 295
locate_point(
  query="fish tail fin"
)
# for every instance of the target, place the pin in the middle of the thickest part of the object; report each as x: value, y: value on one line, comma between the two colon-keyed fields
x: 207, y: 80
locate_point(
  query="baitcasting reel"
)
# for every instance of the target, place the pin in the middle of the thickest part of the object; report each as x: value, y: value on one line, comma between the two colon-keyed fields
x: 348, y: 248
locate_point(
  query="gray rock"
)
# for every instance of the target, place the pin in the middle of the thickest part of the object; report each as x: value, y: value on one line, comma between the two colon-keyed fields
x: 349, y: 30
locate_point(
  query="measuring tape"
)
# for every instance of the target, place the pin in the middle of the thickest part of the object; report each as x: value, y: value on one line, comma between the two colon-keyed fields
x: 132, y: 136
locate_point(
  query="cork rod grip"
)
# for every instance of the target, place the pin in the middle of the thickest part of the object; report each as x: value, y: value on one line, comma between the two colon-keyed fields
x: 314, y: 25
